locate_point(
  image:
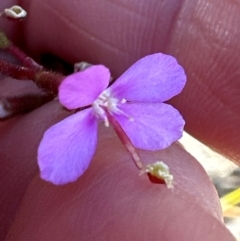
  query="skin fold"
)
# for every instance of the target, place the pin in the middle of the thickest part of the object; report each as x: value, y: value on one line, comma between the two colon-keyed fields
x: 111, y: 201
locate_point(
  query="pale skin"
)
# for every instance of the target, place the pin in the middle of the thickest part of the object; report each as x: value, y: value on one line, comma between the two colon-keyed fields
x: 111, y: 201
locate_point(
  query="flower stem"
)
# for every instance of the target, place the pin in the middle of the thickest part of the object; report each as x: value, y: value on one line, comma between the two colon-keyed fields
x: 46, y: 80
x: 11, y: 48
x: 16, y: 71
x: 125, y: 140
x: 22, y: 57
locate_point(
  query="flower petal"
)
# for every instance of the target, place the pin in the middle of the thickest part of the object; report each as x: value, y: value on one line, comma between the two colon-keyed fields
x: 68, y: 147
x: 154, y: 126
x: 82, y: 88
x: 154, y: 78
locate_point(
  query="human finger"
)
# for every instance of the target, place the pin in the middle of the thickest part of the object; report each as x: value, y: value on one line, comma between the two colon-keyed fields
x: 201, y: 34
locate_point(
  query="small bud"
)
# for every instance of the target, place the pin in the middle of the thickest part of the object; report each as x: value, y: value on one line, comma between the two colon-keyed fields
x: 15, y: 12
x: 81, y: 66
x: 161, y: 171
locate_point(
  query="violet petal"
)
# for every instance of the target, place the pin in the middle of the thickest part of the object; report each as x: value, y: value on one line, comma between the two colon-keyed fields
x: 154, y: 126
x: 154, y: 78
x: 82, y: 88
x: 68, y: 147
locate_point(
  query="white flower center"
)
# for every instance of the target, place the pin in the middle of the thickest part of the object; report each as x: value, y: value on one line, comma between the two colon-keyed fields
x: 106, y: 101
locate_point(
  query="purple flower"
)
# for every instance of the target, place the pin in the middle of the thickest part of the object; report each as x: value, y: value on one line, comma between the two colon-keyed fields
x: 134, y: 100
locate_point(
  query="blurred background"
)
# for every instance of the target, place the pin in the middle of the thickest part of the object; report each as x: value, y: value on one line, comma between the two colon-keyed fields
x: 225, y: 176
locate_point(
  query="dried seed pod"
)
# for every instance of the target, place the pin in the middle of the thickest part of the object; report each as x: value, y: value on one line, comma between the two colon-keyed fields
x: 161, y: 171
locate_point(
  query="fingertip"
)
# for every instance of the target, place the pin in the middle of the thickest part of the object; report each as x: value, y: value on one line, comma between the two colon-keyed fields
x: 112, y: 202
